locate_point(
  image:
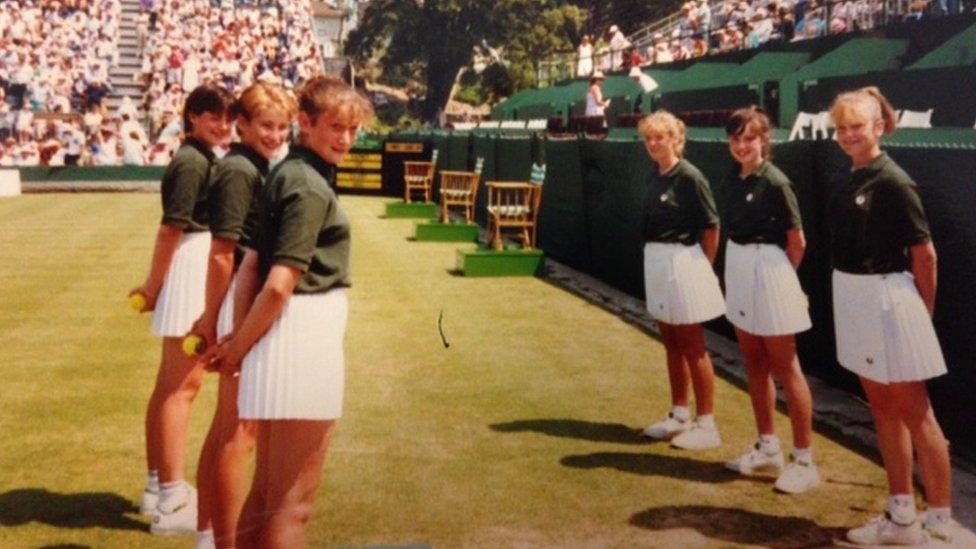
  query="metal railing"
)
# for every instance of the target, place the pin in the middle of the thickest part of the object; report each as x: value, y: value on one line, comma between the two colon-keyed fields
x: 567, y: 64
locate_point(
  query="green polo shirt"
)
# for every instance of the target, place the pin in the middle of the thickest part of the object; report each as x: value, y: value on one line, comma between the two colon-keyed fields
x: 184, y: 187
x: 233, y: 196
x: 302, y: 224
x: 874, y: 216
x: 679, y: 205
x: 761, y: 208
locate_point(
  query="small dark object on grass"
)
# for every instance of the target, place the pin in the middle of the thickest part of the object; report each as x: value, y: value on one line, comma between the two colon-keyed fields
x: 440, y: 328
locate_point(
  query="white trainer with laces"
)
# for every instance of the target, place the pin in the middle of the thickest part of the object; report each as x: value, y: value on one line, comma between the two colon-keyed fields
x: 798, y: 477
x: 150, y: 498
x: 667, y: 428
x: 698, y: 437
x: 884, y: 531
x: 756, y: 459
x: 176, y: 515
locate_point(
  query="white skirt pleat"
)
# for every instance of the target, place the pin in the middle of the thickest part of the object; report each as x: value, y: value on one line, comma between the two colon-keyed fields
x: 680, y: 285
x: 884, y: 333
x: 225, y: 319
x: 296, y: 371
x: 182, y: 299
x: 762, y: 292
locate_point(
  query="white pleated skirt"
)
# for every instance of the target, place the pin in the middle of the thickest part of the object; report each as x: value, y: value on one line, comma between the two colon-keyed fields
x: 883, y: 330
x: 182, y: 299
x: 762, y: 292
x: 297, y: 370
x: 680, y: 285
x: 225, y: 319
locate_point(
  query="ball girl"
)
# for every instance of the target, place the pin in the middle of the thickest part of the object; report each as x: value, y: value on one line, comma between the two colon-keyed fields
x: 291, y: 338
x: 174, y: 291
x: 763, y: 297
x: 884, y: 286
x: 681, y: 235
x: 264, y: 115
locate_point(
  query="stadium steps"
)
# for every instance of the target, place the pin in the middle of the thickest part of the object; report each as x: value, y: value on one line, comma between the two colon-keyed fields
x: 122, y: 75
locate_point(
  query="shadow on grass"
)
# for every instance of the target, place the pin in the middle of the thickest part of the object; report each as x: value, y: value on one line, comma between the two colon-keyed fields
x: 91, y: 510
x: 711, y: 472
x: 65, y: 546
x: 574, y: 428
x: 738, y: 526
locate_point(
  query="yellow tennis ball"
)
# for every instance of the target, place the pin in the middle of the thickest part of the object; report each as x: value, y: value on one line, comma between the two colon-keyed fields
x: 137, y: 302
x: 194, y: 345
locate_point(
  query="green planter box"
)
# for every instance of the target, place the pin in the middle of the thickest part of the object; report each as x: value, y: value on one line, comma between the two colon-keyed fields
x: 414, y: 210
x: 447, y: 232
x: 483, y: 262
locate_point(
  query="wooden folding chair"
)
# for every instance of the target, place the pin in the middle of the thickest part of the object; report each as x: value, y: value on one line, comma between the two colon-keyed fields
x: 460, y: 189
x: 419, y: 176
x: 512, y: 205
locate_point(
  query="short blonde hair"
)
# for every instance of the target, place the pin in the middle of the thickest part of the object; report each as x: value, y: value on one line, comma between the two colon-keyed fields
x: 332, y: 97
x: 864, y: 105
x: 664, y: 122
x: 262, y: 96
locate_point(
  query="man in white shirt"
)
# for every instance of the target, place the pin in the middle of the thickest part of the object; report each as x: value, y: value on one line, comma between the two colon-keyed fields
x: 618, y: 43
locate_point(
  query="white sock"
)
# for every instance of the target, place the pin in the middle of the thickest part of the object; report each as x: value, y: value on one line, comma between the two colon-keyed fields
x: 681, y: 413
x: 938, y: 515
x: 172, y: 495
x: 707, y: 421
x: 205, y: 537
x: 769, y: 444
x: 902, y: 509
x: 805, y: 454
x: 152, y: 483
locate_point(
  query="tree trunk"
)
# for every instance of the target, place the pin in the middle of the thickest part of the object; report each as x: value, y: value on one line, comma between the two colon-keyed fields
x: 441, y: 76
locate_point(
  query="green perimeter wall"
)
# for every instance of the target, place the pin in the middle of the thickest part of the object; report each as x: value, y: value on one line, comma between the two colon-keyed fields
x: 591, y: 220
x: 91, y: 173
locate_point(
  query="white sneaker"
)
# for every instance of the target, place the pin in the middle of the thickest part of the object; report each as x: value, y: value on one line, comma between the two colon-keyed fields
x: 883, y: 531
x: 176, y: 515
x: 667, y: 428
x: 756, y: 459
x: 150, y: 498
x: 697, y: 437
x: 942, y: 534
x: 798, y: 477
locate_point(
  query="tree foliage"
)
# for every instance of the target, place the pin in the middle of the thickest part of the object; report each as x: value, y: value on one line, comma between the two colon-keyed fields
x: 428, y: 42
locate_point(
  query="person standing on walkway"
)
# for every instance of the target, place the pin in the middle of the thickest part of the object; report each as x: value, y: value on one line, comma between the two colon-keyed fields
x: 764, y: 301
x: 884, y: 287
x: 681, y: 231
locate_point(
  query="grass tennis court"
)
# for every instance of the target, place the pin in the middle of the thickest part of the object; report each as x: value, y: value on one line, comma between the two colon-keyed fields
x: 522, y: 433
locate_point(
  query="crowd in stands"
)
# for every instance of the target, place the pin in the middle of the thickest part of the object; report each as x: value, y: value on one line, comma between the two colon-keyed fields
x: 190, y: 42
x: 55, y: 57
x: 730, y: 25
x: 55, y: 54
